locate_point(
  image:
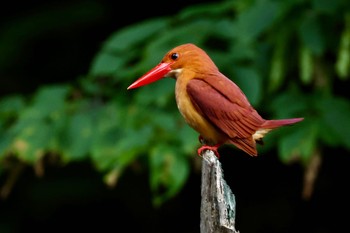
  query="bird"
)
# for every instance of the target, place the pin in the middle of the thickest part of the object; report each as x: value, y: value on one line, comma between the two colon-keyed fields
x: 211, y: 103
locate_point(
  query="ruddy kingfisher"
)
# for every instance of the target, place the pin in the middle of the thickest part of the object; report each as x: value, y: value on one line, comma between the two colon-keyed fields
x: 211, y: 103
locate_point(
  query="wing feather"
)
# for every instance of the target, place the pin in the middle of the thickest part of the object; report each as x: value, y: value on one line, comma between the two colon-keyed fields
x: 223, y: 104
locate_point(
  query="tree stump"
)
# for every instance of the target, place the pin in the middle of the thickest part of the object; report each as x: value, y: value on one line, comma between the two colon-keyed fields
x: 218, y: 204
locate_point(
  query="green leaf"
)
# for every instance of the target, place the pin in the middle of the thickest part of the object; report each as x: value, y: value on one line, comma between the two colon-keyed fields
x: 326, y: 6
x: 164, y: 121
x: 257, y: 18
x: 49, y: 100
x: 32, y: 141
x: 160, y: 93
x: 342, y: 65
x: 250, y: 83
x: 180, y: 35
x: 120, y: 51
x: 305, y: 65
x: 291, y: 103
x: 117, y: 148
x: 299, y: 142
x: 11, y: 105
x: 188, y: 138
x: 106, y: 64
x: 128, y: 37
x: 169, y: 171
x: 310, y: 33
x: 110, y: 125
x: 78, y: 137
x: 336, y: 115
x: 327, y: 134
x: 133, y: 144
x: 6, y: 139
x: 104, y: 150
x: 278, y: 65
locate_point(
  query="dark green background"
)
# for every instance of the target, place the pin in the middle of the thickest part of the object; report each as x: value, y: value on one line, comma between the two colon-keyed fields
x: 72, y: 197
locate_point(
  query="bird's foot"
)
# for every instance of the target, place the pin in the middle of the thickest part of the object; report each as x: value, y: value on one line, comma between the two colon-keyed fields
x: 214, y: 148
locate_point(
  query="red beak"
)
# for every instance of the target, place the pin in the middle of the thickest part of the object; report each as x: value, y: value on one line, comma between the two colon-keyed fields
x: 153, y: 75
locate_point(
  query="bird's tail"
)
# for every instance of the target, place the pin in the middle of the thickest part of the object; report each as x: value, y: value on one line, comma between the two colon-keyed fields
x: 272, y: 124
x: 249, y: 144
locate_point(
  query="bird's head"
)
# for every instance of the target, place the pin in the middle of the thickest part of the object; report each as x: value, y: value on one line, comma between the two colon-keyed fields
x: 186, y: 56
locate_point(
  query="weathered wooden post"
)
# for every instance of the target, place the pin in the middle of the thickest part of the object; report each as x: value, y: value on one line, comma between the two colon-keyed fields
x: 218, y: 204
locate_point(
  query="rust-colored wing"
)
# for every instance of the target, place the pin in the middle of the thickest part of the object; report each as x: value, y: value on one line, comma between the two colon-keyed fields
x: 224, y: 105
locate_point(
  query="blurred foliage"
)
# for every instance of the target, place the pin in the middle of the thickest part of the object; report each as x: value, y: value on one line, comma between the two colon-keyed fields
x: 285, y: 55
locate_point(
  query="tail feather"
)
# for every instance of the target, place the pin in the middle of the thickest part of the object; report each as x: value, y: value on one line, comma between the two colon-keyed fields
x: 248, y: 145
x: 272, y: 124
x: 269, y: 125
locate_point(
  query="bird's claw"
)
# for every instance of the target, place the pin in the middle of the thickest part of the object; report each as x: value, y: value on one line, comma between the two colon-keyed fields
x: 202, y: 149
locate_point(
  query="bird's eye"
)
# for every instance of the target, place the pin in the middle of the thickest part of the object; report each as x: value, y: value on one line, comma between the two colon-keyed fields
x: 174, y: 56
